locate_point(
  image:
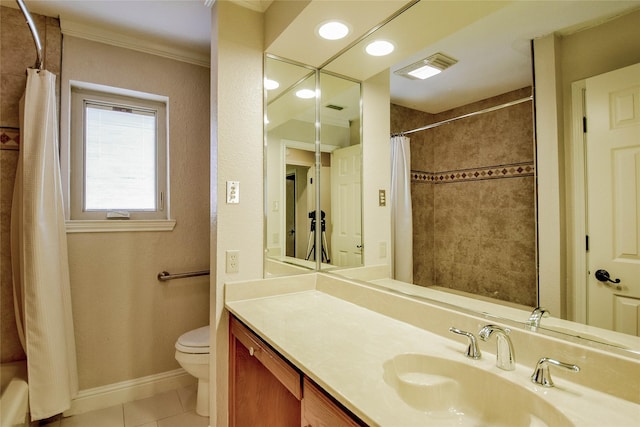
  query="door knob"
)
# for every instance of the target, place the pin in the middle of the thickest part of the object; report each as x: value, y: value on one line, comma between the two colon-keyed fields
x: 603, y: 276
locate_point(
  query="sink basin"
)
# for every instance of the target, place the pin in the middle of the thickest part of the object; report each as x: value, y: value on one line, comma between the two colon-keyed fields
x: 461, y: 394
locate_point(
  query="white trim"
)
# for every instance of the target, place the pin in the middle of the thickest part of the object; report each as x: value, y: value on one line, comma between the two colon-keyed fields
x: 334, y: 121
x: 112, y: 226
x: 577, y: 216
x: 127, y: 391
x: 309, y: 146
x: 102, y: 35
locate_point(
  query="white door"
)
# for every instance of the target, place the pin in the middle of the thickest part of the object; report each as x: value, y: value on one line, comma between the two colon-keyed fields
x: 613, y: 199
x: 346, y: 237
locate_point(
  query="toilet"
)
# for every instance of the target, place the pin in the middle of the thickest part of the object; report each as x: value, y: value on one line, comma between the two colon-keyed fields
x: 192, y: 353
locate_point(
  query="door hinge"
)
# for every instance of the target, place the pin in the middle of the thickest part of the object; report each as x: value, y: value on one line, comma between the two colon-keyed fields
x: 584, y: 125
x: 587, y: 243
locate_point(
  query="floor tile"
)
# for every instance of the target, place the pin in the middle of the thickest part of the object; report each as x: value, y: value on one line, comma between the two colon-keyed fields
x: 188, y: 397
x: 107, y: 417
x: 190, y: 419
x: 154, y: 408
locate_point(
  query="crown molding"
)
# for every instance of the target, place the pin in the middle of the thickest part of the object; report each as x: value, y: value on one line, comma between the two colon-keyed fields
x: 102, y: 35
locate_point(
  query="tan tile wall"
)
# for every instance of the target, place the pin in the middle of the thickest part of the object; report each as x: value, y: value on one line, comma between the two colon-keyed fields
x: 17, y: 53
x: 474, y: 217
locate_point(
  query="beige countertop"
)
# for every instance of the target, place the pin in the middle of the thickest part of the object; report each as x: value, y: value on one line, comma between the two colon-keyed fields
x: 346, y: 349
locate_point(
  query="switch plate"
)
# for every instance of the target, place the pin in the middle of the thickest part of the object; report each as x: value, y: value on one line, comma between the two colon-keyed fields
x: 382, y: 198
x: 232, y: 261
x: 233, y: 192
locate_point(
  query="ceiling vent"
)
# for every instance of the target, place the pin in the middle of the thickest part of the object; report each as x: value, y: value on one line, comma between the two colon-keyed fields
x: 427, y: 67
x: 334, y: 107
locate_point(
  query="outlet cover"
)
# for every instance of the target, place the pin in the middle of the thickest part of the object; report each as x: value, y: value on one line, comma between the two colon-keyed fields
x: 232, y: 261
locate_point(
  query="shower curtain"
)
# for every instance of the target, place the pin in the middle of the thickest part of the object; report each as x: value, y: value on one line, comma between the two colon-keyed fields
x: 42, y: 297
x: 401, y: 215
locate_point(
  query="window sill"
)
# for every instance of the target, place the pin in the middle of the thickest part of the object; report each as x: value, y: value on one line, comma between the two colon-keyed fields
x: 115, y: 226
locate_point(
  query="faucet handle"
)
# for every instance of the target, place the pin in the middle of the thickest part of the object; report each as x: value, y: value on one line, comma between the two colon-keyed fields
x: 534, y: 319
x: 542, y: 376
x: 473, y: 352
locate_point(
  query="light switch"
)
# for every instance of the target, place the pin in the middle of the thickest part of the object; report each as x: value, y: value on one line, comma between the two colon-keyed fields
x: 233, y: 191
x: 382, y: 198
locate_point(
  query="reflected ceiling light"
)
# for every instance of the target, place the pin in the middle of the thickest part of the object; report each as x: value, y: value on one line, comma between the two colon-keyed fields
x: 270, y: 84
x: 379, y: 48
x: 427, y: 67
x: 333, y: 30
x: 306, y: 93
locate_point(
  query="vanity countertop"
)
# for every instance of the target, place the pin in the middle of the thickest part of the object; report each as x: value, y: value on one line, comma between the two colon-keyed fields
x: 346, y: 349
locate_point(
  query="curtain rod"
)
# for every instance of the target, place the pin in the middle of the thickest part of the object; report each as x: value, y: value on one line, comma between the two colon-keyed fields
x: 34, y: 33
x: 464, y: 116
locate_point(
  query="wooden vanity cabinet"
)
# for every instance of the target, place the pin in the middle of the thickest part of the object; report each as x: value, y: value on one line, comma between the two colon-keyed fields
x: 318, y: 410
x: 266, y: 390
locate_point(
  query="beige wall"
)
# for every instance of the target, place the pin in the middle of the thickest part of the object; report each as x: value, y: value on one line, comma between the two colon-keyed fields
x: 17, y: 53
x: 560, y: 61
x: 126, y: 322
x: 474, y: 234
x: 236, y: 154
x: 376, y: 169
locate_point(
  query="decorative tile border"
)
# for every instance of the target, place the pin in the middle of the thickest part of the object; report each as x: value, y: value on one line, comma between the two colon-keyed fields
x: 489, y: 172
x: 9, y: 138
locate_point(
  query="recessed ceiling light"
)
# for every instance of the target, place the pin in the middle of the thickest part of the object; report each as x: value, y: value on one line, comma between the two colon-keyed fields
x: 271, y: 84
x: 306, y: 93
x: 379, y: 48
x: 424, y: 72
x: 333, y: 30
x: 427, y: 67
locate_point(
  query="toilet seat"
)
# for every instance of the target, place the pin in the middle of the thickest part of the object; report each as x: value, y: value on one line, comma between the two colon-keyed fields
x: 194, y: 342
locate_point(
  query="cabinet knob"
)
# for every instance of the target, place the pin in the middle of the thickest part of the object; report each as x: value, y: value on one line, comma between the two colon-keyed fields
x: 251, y: 351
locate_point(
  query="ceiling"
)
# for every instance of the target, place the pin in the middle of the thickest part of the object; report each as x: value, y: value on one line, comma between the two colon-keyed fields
x: 489, y: 39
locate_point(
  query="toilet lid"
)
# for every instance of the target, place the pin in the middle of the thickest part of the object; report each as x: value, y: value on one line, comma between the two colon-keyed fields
x: 195, y: 342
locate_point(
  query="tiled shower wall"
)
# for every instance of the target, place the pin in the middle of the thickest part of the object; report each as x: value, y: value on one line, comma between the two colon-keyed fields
x: 17, y: 53
x: 473, y: 197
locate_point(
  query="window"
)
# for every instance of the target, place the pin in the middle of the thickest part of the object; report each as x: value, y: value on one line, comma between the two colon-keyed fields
x: 118, y: 157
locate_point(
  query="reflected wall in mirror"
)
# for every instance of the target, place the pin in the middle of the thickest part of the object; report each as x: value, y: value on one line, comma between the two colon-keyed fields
x: 473, y: 198
x: 575, y: 41
x: 302, y: 176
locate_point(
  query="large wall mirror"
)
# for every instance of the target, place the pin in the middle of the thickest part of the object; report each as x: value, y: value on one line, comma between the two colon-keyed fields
x: 479, y: 240
x: 313, y: 173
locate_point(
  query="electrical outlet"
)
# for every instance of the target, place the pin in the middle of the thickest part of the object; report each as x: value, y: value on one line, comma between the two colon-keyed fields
x: 233, y: 261
x: 383, y: 249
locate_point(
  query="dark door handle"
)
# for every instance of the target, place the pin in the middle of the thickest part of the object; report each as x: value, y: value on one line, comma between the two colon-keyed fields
x: 603, y: 276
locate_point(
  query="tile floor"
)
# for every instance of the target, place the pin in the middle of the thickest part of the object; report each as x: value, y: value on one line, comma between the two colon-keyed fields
x: 174, y: 408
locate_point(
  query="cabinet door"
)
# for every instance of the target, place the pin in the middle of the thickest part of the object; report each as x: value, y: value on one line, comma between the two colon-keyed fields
x: 320, y: 411
x: 260, y: 383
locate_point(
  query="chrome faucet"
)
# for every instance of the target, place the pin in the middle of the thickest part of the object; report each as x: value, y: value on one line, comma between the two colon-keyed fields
x: 542, y: 376
x: 505, y: 356
x: 473, y: 352
x: 536, y: 315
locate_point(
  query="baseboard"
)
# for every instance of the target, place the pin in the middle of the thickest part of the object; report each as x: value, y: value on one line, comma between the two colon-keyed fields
x: 127, y: 391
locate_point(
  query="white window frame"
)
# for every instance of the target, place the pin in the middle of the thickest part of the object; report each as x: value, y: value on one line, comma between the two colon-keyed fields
x: 92, y: 221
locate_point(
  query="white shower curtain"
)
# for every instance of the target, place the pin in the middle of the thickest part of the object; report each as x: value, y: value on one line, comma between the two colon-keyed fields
x: 39, y: 254
x: 401, y: 214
